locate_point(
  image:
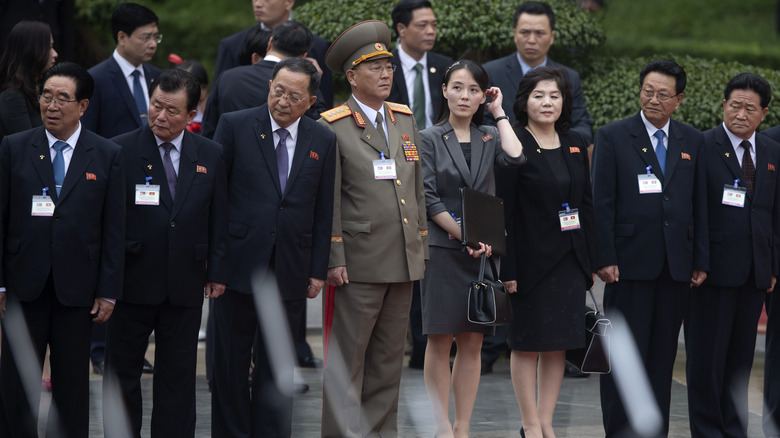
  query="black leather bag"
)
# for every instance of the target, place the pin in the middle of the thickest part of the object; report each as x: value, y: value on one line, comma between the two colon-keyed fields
x: 488, y: 300
x: 594, y: 357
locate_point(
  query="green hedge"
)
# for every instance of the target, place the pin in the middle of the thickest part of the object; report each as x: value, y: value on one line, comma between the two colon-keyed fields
x: 612, y: 89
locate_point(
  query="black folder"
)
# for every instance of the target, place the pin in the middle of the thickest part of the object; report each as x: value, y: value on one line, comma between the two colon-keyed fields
x: 483, y: 220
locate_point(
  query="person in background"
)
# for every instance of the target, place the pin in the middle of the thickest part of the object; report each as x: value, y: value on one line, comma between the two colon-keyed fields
x: 28, y: 54
x: 551, y: 280
x: 200, y: 74
x: 458, y: 152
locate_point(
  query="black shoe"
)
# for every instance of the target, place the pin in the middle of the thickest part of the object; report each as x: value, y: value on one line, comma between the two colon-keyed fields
x: 300, y: 388
x: 522, y: 432
x: 148, y: 368
x: 487, y: 368
x: 97, y: 367
x: 572, y: 371
x: 310, y: 362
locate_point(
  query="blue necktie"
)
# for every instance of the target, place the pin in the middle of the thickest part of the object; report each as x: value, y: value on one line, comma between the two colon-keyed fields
x: 282, y: 159
x: 59, y: 165
x: 660, y: 150
x: 138, y: 94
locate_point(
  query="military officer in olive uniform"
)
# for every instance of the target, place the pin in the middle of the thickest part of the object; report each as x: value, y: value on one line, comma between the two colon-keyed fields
x: 379, y: 242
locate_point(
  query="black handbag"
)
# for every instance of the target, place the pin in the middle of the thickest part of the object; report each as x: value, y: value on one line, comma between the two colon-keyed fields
x: 594, y: 357
x: 488, y: 300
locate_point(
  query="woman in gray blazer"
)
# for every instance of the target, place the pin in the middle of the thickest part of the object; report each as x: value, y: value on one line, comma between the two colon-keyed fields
x: 458, y: 152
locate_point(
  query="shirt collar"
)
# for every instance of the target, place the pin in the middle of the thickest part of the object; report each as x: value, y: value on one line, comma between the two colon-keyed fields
x: 526, y: 68
x: 292, y: 129
x: 369, y: 112
x: 651, y: 128
x: 176, y: 142
x: 125, y: 66
x: 736, y: 141
x: 272, y: 58
x: 71, y: 141
x: 408, y: 63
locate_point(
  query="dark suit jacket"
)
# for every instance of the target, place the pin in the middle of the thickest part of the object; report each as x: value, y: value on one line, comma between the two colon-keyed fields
x: 748, y: 237
x: 445, y: 171
x: 290, y: 229
x: 532, y: 202
x: 112, y: 109
x: 241, y: 88
x: 170, y: 246
x: 82, y: 244
x: 437, y: 66
x: 230, y: 47
x: 640, y: 233
x: 17, y: 112
x: 506, y: 73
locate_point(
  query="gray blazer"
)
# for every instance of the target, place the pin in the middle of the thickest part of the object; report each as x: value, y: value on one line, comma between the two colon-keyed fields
x: 445, y: 171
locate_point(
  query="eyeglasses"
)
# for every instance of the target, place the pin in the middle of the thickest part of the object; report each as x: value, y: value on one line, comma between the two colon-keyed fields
x: 660, y: 96
x: 292, y: 98
x: 47, y: 99
x: 157, y: 37
x: 378, y: 68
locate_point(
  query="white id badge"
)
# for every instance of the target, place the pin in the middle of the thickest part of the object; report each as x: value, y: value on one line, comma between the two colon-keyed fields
x: 734, y: 196
x: 570, y: 220
x: 384, y: 169
x: 648, y: 183
x: 147, y: 195
x: 42, y: 206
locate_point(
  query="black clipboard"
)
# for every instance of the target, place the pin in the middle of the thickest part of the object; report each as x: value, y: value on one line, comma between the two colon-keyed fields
x: 482, y: 220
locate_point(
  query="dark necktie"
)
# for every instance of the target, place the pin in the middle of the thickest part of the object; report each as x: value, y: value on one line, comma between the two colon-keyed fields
x: 140, y: 100
x: 380, y: 126
x: 748, y: 168
x: 59, y: 165
x: 282, y: 157
x: 170, y: 172
x: 418, y: 107
x: 660, y: 150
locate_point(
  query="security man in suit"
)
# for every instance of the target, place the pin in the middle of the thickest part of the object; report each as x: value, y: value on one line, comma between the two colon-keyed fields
x: 176, y: 238
x: 379, y: 240
x: 743, y: 194
x: 650, y: 201
x: 417, y: 84
x: 281, y: 169
x: 62, y: 229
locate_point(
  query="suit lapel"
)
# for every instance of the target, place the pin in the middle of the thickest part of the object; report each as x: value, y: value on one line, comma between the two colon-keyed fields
x: 188, y: 159
x: 477, y: 151
x: 40, y: 155
x: 514, y: 73
x: 456, y: 153
x: 673, y: 150
x: 369, y: 135
x: 725, y: 150
x: 265, y: 138
x: 399, y: 78
x: 393, y: 136
x: 124, y: 91
x: 642, y: 145
x: 574, y: 166
x: 151, y: 161
x: 301, y: 150
x: 762, y: 165
x: 82, y: 156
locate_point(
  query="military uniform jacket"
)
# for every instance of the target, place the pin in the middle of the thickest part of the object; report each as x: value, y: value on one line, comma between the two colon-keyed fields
x: 379, y: 226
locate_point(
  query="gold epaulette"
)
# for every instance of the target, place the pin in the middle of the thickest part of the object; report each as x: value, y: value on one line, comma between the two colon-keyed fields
x: 337, y: 113
x: 399, y: 108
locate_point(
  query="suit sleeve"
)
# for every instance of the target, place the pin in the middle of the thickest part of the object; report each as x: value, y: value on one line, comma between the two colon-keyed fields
x: 225, y: 58
x: 112, y: 262
x: 582, y: 123
x: 211, y: 113
x: 337, y: 256
x: 506, y: 189
x: 91, y: 117
x: 422, y: 217
x: 323, y: 211
x: 14, y: 115
x: 217, y: 269
x: 604, y: 179
x: 586, y: 209
x: 433, y: 202
x: 701, y: 248
x: 5, y: 199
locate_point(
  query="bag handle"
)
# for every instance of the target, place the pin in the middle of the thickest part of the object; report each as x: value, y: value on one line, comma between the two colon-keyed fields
x: 482, y: 268
x: 595, y: 303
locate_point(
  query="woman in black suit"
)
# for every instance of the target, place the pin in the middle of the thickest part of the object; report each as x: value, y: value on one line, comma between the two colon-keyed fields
x: 550, y: 244
x: 28, y: 55
x: 458, y: 152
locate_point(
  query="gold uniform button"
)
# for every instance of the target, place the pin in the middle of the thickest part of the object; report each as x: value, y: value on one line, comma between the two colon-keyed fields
x: 403, y: 201
x: 406, y: 221
x: 398, y: 182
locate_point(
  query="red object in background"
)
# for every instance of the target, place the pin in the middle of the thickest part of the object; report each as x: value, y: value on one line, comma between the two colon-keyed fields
x: 174, y: 58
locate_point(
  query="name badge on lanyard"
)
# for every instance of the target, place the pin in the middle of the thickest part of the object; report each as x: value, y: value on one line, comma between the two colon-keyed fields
x: 42, y: 205
x: 147, y: 194
x: 570, y: 218
x: 734, y: 195
x: 384, y: 168
x: 648, y: 182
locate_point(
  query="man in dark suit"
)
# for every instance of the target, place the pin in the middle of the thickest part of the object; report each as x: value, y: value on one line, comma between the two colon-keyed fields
x: 122, y: 81
x: 281, y: 169
x: 534, y: 34
x: 416, y: 27
x: 269, y: 14
x: 743, y: 190
x: 649, y: 196
x: 62, y: 259
x: 176, y: 238
x: 247, y: 86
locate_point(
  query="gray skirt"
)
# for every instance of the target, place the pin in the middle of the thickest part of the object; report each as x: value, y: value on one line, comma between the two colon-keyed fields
x: 445, y: 289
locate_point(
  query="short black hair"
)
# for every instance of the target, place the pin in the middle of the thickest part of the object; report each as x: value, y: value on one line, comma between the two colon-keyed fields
x: 666, y: 67
x: 403, y: 12
x: 526, y: 87
x: 299, y: 65
x: 535, y: 8
x: 196, y: 69
x: 175, y: 80
x: 85, y: 85
x: 292, y: 38
x: 128, y: 17
x: 256, y: 41
x: 753, y: 82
